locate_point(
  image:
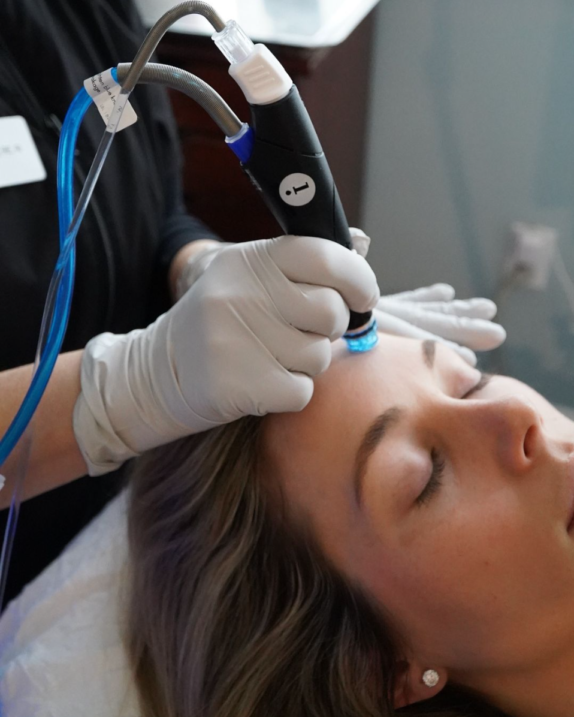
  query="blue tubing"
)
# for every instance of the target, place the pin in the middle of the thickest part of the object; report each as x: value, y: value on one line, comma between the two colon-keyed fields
x: 57, y: 308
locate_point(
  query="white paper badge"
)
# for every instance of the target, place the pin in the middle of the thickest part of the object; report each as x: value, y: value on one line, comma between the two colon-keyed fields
x: 20, y: 161
x: 103, y: 89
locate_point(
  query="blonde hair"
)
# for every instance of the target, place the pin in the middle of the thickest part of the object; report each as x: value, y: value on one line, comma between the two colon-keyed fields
x: 233, y: 610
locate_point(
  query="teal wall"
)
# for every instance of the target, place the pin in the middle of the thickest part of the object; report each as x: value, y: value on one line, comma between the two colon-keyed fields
x: 471, y: 128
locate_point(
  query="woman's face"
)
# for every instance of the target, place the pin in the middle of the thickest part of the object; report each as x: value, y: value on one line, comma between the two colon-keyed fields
x: 448, y: 500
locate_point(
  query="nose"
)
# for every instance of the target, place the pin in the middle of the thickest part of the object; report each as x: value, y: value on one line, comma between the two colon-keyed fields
x: 510, y: 427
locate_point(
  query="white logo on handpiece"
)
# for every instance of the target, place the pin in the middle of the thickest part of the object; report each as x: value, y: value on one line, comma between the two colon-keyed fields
x: 297, y: 189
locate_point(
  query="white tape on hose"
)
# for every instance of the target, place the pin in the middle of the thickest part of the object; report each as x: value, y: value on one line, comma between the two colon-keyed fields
x: 104, y: 90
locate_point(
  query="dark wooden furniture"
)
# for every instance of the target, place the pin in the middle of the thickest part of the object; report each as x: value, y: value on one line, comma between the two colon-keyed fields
x: 334, y: 84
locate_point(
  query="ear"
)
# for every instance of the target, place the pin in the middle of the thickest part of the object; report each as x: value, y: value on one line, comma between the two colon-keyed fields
x: 409, y: 685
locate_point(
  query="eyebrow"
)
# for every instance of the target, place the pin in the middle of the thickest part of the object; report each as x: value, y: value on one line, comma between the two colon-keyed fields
x: 379, y: 428
x: 372, y: 438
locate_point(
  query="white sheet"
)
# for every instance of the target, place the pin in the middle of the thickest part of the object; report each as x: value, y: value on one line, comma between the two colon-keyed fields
x: 61, y: 653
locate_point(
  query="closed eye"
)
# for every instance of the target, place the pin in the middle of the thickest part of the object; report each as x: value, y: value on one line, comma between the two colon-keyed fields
x: 438, y: 462
x: 484, y: 380
x: 435, y: 480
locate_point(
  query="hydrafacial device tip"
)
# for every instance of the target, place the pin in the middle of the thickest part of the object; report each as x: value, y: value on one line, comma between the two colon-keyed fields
x: 363, y: 339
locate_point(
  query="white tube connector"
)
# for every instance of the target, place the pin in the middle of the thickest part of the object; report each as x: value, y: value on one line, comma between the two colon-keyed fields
x: 257, y: 71
x: 233, y: 43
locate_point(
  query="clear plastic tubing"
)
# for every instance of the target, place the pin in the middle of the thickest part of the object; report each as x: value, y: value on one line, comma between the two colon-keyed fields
x: 57, y: 308
x: 58, y: 303
x: 54, y: 323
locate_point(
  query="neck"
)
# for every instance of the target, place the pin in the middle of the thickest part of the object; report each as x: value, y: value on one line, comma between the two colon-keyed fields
x: 544, y: 690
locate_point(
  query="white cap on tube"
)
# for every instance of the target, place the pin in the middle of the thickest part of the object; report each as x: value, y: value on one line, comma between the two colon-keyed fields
x: 261, y: 76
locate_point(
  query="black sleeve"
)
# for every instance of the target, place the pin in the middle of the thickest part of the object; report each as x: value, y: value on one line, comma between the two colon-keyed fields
x: 178, y: 227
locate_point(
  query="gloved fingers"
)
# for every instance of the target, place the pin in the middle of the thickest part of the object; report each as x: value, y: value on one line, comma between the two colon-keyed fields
x: 315, y: 309
x: 284, y: 392
x: 397, y: 327
x: 436, y: 292
x: 300, y: 352
x: 360, y: 241
x: 309, y: 260
x: 472, y: 308
x: 477, y: 334
x: 277, y: 331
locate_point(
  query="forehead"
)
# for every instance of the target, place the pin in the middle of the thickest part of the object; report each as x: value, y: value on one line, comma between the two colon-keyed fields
x: 354, y: 389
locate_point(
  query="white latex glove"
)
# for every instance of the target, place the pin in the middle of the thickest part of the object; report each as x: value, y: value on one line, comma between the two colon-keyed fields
x: 427, y: 313
x: 246, y: 338
x: 433, y: 313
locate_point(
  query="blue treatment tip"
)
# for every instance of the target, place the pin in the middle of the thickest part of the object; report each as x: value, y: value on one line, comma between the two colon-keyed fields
x: 363, y: 340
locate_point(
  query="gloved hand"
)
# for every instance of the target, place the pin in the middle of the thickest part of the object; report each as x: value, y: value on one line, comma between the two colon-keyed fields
x: 427, y: 313
x: 246, y: 338
x: 433, y: 313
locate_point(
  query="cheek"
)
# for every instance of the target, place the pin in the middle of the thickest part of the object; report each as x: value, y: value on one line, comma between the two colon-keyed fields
x: 474, y: 564
x: 467, y: 572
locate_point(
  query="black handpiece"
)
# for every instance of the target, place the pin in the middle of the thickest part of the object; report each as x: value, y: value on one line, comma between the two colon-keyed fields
x: 289, y: 167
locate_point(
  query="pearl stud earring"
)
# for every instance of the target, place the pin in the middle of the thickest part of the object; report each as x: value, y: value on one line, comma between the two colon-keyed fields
x: 431, y: 678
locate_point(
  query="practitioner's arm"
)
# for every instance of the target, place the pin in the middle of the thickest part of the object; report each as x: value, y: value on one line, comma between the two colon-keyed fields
x: 199, y: 365
x: 55, y: 458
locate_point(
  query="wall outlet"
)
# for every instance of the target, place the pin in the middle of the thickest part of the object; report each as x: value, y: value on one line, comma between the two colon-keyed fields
x: 531, y: 255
